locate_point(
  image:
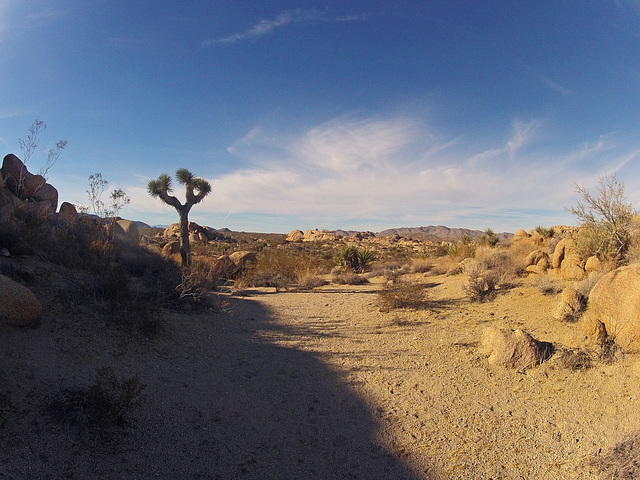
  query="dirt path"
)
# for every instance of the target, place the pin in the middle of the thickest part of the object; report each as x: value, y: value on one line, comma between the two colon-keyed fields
x: 313, y: 385
x: 436, y: 403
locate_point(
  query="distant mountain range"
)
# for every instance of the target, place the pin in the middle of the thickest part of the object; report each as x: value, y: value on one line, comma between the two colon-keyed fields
x: 434, y: 233
x: 439, y: 232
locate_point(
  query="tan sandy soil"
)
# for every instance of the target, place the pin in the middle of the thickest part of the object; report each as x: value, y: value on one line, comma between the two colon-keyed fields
x: 318, y: 384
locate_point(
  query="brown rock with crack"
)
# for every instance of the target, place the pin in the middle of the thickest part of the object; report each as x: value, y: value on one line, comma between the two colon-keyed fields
x: 18, y: 305
x: 513, y: 348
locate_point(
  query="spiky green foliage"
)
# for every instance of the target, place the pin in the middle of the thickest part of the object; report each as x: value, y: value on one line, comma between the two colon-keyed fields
x: 195, y: 190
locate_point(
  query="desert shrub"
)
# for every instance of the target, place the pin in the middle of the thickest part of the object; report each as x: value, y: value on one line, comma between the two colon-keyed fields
x: 348, y: 277
x: 390, y: 270
x: 622, y: 462
x: 546, y: 285
x: 403, y: 295
x: 466, y: 239
x: 461, y: 251
x: 106, y: 403
x: 489, y: 238
x: 357, y: 259
x: 421, y: 265
x: 574, y: 359
x: 605, y: 220
x: 484, y: 281
x: 282, y: 268
x: 310, y: 281
x: 545, y: 232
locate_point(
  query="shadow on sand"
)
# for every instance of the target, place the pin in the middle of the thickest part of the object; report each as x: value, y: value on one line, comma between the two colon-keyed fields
x: 221, y: 402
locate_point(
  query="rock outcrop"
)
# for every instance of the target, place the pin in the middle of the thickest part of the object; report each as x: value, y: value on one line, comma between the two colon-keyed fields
x: 25, y: 185
x: 614, y: 304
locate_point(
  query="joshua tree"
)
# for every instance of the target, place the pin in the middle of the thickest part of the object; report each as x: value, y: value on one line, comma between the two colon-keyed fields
x: 196, y: 189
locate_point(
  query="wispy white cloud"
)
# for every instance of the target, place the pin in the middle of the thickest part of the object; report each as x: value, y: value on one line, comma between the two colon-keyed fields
x: 266, y: 27
x: 290, y: 17
x: 556, y: 87
x: 522, y: 133
x: 340, y: 173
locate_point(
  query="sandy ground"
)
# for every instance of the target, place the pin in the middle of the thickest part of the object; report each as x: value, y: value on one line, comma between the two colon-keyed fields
x: 320, y: 385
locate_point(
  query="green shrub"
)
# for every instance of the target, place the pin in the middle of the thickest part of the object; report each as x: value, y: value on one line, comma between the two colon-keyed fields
x: 357, y: 259
x: 605, y: 220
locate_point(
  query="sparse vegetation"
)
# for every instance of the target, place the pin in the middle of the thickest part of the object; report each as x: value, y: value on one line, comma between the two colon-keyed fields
x: 605, y: 220
x: 403, y: 295
x: 107, y: 403
x: 355, y: 258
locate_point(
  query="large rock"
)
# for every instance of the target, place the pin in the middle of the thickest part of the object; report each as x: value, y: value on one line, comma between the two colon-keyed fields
x: 567, y: 260
x: 593, y: 264
x: 18, y: 305
x: 26, y: 185
x: 513, y: 348
x: 243, y: 259
x: 128, y: 230
x: 68, y: 212
x: 569, y: 306
x: 224, y: 268
x: 614, y: 302
x: 295, y: 236
x: 319, y: 236
x: 171, y: 248
x: 47, y: 193
x: 520, y: 235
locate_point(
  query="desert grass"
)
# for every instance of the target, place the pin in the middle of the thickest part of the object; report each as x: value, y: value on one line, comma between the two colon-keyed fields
x: 403, y: 295
x: 622, y: 462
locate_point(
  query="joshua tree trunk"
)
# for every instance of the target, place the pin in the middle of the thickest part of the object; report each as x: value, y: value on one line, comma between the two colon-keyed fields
x: 183, y: 213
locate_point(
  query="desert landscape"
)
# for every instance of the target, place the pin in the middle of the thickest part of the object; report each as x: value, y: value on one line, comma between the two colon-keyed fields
x: 423, y: 353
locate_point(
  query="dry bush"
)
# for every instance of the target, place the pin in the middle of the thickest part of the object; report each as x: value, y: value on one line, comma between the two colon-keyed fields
x: 107, y: 403
x: 391, y: 271
x: 309, y: 281
x: 403, y: 295
x: 421, y: 265
x: 574, y: 359
x: 348, y: 277
x: 282, y: 268
x: 585, y: 286
x: 546, y: 285
x: 622, y: 462
x: 481, y: 285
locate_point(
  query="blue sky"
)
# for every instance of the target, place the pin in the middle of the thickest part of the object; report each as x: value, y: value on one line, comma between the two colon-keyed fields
x: 336, y: 114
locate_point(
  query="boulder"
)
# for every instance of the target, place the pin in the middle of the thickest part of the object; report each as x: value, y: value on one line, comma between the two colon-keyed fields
x: 18, y: 305
x: 520, y: 235
x: 569, y: 306
x: 563, y: 248
x: 68, y: 212
x: 513, y: 348
x: 295, y: 236
x: 224, y: 268
x: 535, y: 257
x: 171, y: 248
x: 47, y: 193
x: 571, y: 268
x: 319, y: 236
x: 128, y: 231
x: 593, y: 264
x: 243, y: 259
x: 18, y: 179
x: 614, y: 301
